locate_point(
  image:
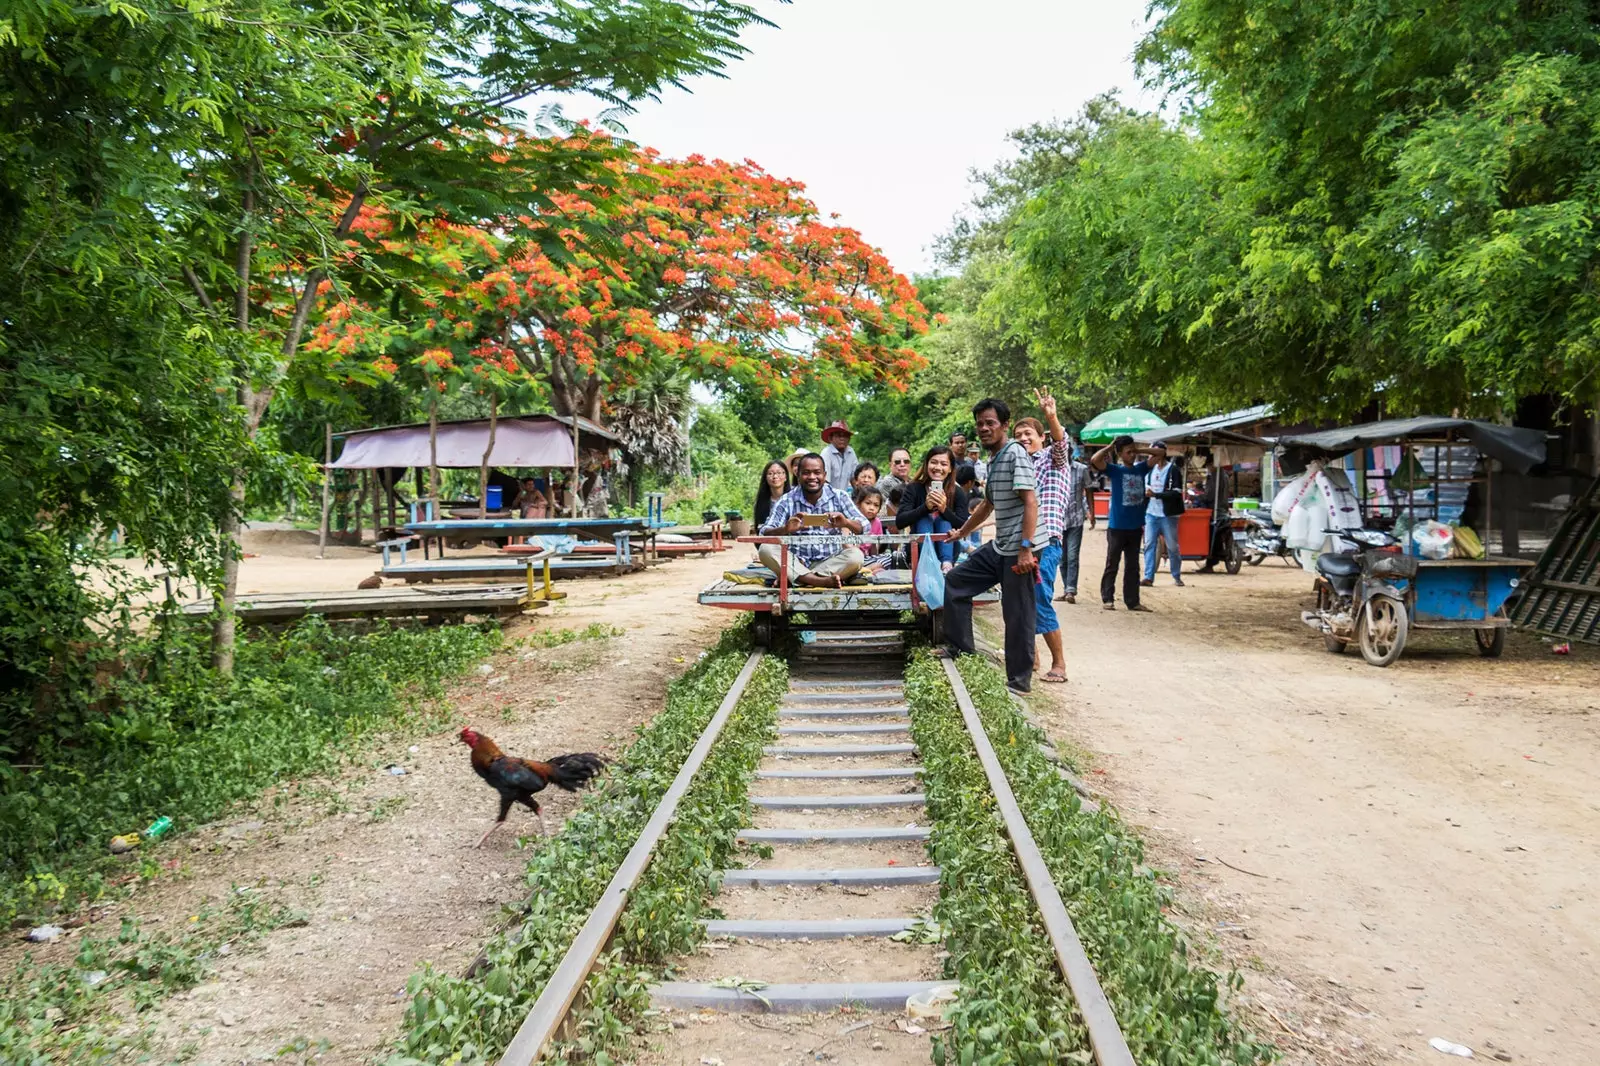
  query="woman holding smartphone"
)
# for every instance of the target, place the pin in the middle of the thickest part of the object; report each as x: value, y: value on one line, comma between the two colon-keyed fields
x: 933, y: 503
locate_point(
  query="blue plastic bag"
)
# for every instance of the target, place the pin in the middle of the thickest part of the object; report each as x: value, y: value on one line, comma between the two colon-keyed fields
x: 930, y: 575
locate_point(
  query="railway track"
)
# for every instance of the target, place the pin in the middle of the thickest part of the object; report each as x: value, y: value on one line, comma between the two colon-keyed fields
x: 841, y: 828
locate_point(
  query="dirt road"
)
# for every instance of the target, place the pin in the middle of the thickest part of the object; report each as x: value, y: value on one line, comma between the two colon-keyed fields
x: 1421, y: 840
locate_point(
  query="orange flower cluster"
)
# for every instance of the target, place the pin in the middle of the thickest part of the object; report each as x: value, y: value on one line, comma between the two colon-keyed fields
x: 718, y: 267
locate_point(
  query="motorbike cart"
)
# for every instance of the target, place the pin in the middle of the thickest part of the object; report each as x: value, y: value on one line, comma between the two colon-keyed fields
x: 1376, y: 597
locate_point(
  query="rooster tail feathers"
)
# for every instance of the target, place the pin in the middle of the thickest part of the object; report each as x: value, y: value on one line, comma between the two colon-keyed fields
x: 574, y: 771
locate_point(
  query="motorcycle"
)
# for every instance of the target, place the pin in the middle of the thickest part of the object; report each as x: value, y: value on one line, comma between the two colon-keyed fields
x: 1264, y: 538
x: 1361, y: 596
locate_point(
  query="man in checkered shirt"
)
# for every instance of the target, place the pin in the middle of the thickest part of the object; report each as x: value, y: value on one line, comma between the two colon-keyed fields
x: 1052, y: 459
x: 825, y: 563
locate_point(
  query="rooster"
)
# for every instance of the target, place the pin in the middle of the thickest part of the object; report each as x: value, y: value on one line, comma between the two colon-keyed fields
x: 517, y: 780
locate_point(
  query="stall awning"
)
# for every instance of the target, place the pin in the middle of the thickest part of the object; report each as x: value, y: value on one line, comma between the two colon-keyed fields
x: 521, y: 441
x: 1518, y: 448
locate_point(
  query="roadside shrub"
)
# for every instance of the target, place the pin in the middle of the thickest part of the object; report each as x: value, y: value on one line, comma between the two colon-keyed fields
x: 168, y: 736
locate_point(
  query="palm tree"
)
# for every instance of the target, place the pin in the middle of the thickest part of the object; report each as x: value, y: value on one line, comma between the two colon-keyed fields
x: 652, y: 419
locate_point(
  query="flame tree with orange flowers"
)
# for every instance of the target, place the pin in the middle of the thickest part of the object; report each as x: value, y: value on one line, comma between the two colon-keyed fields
x: 715, y: 269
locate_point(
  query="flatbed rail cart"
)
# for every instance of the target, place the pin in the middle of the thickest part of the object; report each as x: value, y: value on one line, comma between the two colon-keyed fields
x: 889, y: 601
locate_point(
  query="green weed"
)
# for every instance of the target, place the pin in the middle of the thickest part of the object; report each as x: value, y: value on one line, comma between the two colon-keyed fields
x: 89, y: 1010
x: 1168, y: 1004
x: 174, y: 739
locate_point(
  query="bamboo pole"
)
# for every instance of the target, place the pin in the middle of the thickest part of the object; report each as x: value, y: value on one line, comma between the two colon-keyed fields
x: 327, y: 489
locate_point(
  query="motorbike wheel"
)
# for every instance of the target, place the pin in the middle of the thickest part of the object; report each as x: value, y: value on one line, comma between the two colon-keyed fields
x: 1334, y: 645
x: 1381, y: 630
x: 1255, y: 558
x: 1292, y: 558
x: 1491, y: 641
x: 1233, y: 558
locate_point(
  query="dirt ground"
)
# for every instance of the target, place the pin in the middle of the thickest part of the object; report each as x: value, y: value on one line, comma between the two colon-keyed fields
x: 1388, y: 855
x: 381, y: 864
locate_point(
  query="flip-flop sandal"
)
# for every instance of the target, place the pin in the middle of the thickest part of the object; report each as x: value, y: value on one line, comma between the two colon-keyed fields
x: 1054, y: 677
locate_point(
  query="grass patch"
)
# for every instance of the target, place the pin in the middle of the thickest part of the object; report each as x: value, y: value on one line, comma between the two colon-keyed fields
x: 470, y: 1020
x: 1014, y: 1005
x: 555, y: 638
x: 1168, y: 1005
x: 172, y: 738
x: 89, y: 1009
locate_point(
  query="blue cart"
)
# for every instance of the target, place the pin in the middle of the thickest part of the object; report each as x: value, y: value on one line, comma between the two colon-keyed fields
x: 1465, y: 594
x: 1389, y: 600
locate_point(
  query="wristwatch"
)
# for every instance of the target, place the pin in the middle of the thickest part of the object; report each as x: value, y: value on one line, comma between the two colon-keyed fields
x: 1026, y: 543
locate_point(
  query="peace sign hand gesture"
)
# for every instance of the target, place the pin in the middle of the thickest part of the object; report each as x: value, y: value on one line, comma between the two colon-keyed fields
x: 1046, y: 402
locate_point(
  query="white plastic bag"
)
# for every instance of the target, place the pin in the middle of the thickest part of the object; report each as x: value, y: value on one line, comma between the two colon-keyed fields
x: 1434, y: 540
x: 1283, y: 502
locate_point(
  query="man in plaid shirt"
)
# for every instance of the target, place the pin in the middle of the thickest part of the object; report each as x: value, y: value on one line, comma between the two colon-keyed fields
x: 819, y: 513
x: 1051, y: 466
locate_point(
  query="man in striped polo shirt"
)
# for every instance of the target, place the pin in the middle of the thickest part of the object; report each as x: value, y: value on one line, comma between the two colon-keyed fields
x: 1008, y: 559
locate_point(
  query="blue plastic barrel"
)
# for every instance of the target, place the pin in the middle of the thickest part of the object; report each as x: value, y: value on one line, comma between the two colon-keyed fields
x: 495, y: 496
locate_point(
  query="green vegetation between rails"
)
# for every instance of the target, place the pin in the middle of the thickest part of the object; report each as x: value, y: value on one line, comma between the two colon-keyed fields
x: 1014, y: 1005
x: 1169, y: 1006
x: 171, y: 737
x: 471, y: 1019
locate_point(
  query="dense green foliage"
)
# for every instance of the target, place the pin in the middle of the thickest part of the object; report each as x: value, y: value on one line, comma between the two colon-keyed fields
x: 169, y: 737
x: 181, y: 185
x: 471, y: 1019
x: 1355, y: 197
x: 1168, y: 1006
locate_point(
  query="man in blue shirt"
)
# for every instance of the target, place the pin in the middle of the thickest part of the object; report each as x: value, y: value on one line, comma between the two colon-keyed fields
x: 1125, y: 523
x: 816, y: 514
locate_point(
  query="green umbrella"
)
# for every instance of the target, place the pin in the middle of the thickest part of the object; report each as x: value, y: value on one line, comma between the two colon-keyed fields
x: 1106, y: 427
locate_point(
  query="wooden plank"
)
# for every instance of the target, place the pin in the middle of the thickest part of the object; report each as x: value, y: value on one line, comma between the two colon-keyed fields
x: 553, y: 1003
x: 1105, y: 1036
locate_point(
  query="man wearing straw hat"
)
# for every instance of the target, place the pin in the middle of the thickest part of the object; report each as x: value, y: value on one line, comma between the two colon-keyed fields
x: 839, y: 457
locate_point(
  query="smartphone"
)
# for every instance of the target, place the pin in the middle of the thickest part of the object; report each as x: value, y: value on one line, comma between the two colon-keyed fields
x: 813, y: 520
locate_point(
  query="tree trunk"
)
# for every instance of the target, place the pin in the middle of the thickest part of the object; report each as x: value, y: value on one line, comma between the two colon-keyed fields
x: 483, y: 467
x: 224, y: 624
x: 223, y: 628
x: 327, y: 490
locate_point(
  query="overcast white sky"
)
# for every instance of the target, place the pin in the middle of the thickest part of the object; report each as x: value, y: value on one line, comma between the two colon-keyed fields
x: 882, y: 107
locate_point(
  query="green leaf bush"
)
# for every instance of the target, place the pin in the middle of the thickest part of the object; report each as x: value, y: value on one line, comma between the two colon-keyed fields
x: 470, y: 1019
x: 170, y: 737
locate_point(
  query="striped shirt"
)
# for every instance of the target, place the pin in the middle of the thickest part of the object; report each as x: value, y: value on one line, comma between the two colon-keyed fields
x: 1010, y: 472
x: 1050, y: 468
x: 821, y: 542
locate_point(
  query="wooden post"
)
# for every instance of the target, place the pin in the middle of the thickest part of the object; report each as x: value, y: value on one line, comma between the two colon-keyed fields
x: 327, y: 489
x: 433, y: 453
x: 577, y: 467
x: 377, y: 493
x: 361, y: 501
x: 483, y: 467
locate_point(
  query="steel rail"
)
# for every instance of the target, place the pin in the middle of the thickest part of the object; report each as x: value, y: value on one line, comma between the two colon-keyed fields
x: 1105, y: 1035
x: 550, y: 1009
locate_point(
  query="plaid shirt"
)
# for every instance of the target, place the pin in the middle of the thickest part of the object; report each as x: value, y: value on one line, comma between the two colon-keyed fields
x: 1050, y: 469
x: 828, y: 541
x: 1077, y: 509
